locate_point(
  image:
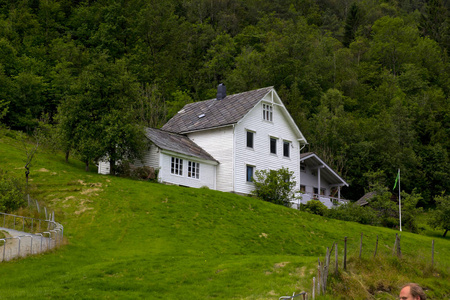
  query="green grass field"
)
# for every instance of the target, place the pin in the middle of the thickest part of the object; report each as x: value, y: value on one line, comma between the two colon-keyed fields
x: 129, y: 239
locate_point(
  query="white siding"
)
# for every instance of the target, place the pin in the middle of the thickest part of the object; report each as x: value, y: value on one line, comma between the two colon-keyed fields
x: 260, y: 155
x: 219, y: 144
x: 150, y: 159
x: 206, y: 174
x: 310, y: 182
x: 103, y: 167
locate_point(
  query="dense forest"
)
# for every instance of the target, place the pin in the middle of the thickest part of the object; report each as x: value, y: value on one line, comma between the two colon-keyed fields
x: 366, y: 81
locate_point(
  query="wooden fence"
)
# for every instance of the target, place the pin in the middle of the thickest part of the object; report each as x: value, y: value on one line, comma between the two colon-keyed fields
x: 319, y: 284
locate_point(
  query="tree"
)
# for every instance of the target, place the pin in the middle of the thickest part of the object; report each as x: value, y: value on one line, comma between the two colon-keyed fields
x: 97, y: 119
x: 276, y: 186
x: 11, y: 192
x: 351, y: 24
x: 440, y: 218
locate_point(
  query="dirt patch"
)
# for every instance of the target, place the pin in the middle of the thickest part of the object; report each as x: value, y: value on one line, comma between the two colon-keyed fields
x: 281, y: 265
x: 43, y: 170
x: 264, y: 235
x: 78, y: 212
x: 299, y: 272
x: 91, y: 191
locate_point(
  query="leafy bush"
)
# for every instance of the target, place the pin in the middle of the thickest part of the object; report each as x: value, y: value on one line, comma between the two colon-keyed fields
x: 276, y: 186
x: 126, y: 169
x: 314, y: 207
x: 441, y: 215
x: 354, y: 213
x: 11, y: 192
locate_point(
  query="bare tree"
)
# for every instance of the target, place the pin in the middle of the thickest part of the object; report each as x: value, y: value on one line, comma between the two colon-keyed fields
x: 30, y: 150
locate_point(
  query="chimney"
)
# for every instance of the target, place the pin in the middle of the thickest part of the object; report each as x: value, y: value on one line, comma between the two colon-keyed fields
x: 221, y: 91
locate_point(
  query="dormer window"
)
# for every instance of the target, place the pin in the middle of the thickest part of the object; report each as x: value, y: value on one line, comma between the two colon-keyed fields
x: 267, y: 112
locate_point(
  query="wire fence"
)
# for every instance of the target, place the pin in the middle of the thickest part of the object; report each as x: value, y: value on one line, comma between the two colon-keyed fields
x: 41, y: 235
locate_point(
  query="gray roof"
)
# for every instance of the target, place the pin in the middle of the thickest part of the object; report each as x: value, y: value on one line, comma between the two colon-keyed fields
x: 312, y: 160
x: 177, y: 143
x: 364, y: 200
x: 215, y: 113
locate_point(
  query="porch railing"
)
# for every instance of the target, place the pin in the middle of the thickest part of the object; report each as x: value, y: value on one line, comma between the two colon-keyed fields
x: 328, y: 201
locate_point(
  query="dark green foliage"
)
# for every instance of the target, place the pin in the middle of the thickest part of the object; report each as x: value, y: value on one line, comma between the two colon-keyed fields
x: 440, y: 217
x: 12, y: 192
x: 354, y: 213
x: 351, y: 24
x: 315, y: 207
x: 276, y: 186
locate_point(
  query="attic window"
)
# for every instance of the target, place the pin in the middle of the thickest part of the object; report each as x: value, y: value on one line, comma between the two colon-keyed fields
x: 267, y: 112
x: 201, y: 116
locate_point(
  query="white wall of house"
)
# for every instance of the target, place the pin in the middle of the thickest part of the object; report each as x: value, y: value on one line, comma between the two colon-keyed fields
x: 260, y: 156
x: 150, y: 159
x: 310, y: 181
x: 218, y: 143
x: 206, y: 173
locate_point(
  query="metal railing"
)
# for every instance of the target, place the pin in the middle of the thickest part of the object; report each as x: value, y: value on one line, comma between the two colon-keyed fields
x: 328, y: 201
x: 44, y: 235
x: 303, y: 294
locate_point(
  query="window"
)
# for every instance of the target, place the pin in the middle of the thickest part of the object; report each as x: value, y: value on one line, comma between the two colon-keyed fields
x: 250, y: 171
x: 193, y: 169
x: 302, y: 167
x: 322, y: 191
x: 250, y: 136
x: 302, y: 188
x: 316, y: 190
x: 267, y: 112
x: 273, y: 145
x: 177, y: 166
x: 286, y: 148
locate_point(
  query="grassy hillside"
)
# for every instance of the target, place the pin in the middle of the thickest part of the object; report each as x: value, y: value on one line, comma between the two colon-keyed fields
x: 131, y: 239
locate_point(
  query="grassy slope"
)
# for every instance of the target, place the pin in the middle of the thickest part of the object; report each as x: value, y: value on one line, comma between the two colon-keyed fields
x: 130, y: 239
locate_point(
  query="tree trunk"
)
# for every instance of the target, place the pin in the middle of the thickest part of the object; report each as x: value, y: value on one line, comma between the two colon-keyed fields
x: 67, y: 156
x: 445, y: 233
x: 87, y: 165
x: 112, y: 166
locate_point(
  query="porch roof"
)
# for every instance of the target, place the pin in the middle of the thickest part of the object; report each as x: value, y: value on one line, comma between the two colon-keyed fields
x: 313, y: 161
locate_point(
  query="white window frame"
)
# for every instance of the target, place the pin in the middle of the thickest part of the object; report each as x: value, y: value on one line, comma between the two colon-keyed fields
x: 253, y: 139
x: 176, y: 166
x: 246, y: 173
x: 267, y: 110
x: 193, y: 169
x: 270, y: 145
x: 288, y: 149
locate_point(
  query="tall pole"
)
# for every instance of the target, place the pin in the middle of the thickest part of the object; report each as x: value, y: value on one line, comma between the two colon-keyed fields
x: 399, y: 200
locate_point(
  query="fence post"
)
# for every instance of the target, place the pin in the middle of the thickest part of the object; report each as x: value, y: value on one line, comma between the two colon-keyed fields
x: 18, y: 251
x: 360, y: 245
x: 399, y: 249
x: 23, y: 223
x: 376, y: 247
x: 345, y: 254
x: 432, y: 253
x: 336, y: 259
x: 314, y: 288
x: 395, y: 244
x: 4, y: 248
x: 319, y: 278
x: 49, y: 238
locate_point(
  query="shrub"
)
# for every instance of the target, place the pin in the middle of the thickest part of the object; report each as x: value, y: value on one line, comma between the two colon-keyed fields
x: 12, y: 192
x: 315, y: 207
x: 276, y: 186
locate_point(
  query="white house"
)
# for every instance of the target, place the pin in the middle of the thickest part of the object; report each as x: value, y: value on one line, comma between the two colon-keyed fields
x: 220, y: 143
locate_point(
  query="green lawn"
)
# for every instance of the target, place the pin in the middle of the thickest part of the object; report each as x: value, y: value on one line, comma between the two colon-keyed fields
x: 137, y: 240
